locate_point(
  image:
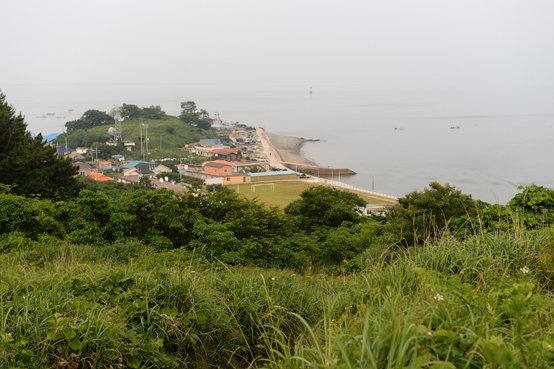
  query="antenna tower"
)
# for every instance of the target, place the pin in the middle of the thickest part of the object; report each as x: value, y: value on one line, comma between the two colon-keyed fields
x: 115, y: 112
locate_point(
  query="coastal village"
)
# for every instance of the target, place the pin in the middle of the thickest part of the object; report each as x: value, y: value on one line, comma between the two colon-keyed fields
x: 237, y: 156
x: 241, y: 154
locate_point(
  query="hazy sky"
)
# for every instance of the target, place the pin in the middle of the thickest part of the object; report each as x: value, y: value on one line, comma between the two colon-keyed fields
x: 444, y: 43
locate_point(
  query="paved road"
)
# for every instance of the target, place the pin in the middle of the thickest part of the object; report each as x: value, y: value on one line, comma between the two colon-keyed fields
x: 272, y: 155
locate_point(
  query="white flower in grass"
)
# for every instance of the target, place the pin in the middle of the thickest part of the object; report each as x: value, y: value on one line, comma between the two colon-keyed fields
x: 439, y: 297
x: 525, y: 270
x: 273, y: 278
x: 430, y: 334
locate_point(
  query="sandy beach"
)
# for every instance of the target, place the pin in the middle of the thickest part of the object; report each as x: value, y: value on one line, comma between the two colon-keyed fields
x: 283, y: 149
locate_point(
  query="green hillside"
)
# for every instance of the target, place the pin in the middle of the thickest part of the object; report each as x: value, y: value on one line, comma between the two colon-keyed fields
x: 174, y: 135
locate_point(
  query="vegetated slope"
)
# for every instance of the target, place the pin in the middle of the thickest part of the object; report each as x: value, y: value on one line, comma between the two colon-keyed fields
x: 483, y: 302
x: 174, y: 135
x: 163, y: 280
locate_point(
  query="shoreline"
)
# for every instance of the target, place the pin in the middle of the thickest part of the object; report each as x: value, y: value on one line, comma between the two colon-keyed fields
x: 280, y: 149
x: 286, y: 152
x: 289, y: 148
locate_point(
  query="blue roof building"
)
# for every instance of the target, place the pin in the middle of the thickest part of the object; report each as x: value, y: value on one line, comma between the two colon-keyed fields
x: 269, y: 174
x: 215, y: 141
x: 137, y: 162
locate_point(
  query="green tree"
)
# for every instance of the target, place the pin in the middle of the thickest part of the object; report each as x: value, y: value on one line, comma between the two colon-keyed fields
x: 191, y: 115
x: 534, y: 206
x: 325, y: 206
x: 188, y: 107
x: 153, y: 112
x: 203, y: 124
x: 130, y: 111
x: 203, y: 114
x: 340, y: 245
x: 423, y: 215
x: 91, y: 118
x: 29, y: 164
x: 145, y: 182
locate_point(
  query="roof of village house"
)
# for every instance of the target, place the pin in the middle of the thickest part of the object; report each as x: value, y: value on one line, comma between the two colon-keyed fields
x: 217, y: 165
x: 136, y: 162
x: 117, y: 156
x: 222, y: 162
x: 82, y: 165
x: 207, y: 144
x: 228, y: 151
x: 65, y: 149
x: 100, y: 177
x: 126, y: 180
x: 105, y: 162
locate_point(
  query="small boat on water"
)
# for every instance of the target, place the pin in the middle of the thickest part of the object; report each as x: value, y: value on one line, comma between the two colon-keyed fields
x: 457, y: 127
x: 61, y: 117
x: 51, y: 114
x: 400, y: 129
x: 41, y: 116
x: 69, y: 109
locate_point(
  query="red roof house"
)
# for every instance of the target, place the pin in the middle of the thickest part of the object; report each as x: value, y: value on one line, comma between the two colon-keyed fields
x: 100, y: 177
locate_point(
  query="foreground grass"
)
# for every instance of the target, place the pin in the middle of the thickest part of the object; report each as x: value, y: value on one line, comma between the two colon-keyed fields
x: 482, y: 302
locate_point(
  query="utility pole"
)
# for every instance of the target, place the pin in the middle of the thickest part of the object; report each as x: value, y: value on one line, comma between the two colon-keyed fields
x: 140, y: 125
x: 160, y: 143
x: 146, y: 128
x: 96, y: 151
x: 65, y: 142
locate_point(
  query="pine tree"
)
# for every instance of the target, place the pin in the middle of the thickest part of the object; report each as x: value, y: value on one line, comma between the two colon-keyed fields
x: 29, y: 164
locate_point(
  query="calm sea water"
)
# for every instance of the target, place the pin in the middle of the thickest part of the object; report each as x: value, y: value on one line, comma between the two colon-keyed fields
x: 505, y: 138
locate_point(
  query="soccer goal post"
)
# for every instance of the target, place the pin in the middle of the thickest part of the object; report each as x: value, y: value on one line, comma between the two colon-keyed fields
x: 253, y: 187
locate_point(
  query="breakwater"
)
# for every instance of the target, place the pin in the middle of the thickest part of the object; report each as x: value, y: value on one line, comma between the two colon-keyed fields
x: 318, y: 171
